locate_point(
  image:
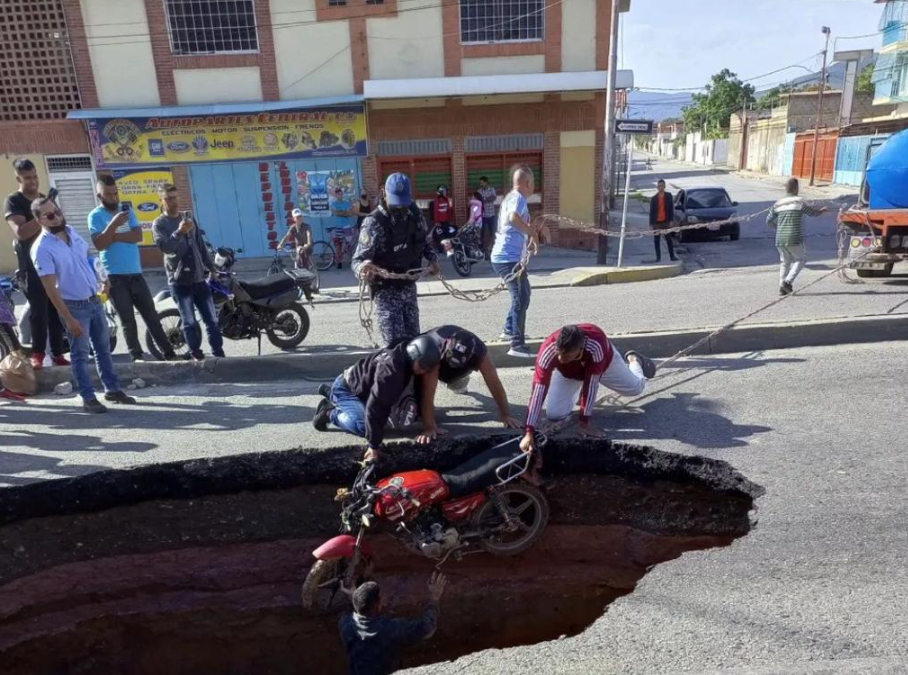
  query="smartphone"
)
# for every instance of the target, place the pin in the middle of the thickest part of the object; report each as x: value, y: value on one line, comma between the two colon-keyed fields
x: 187, y: 215
x: 125, y: 206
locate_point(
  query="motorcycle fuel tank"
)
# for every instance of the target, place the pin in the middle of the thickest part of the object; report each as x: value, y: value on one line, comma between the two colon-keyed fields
x: 426, y: 488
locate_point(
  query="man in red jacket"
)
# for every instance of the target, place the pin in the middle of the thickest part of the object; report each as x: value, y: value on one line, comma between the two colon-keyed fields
x: 570, y: 366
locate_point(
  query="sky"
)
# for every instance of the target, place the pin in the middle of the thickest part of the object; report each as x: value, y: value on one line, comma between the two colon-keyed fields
x: 681, y: 43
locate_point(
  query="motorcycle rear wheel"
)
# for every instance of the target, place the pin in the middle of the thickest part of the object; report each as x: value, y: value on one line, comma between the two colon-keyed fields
x: 290, y: 327
x: 461, y: 265
x: 522, y: 501
x: 172, y: 324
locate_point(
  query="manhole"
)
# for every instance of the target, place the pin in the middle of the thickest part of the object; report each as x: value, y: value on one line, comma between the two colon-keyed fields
x: 196, y: 567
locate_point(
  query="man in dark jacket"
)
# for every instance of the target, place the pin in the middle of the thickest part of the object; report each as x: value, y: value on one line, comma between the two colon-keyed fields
x: 187, y: 264
x: 372, y: 641
x: 661, y: 215
x: 376, y: 391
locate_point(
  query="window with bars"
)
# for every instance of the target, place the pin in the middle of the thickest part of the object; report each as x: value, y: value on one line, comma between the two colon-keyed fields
x: 211, y: 26
x: 484, y: 21
x: 337, y: 3
x: 37, y: 77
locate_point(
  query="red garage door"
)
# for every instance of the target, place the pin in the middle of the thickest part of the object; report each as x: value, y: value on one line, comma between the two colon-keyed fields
x: 826, y: 152
x: 426, y: 173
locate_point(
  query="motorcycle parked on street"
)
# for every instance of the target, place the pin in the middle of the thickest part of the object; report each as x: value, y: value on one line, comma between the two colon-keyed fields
x: 479, y: 506
x: 271, y: 305
x: 465, y: 249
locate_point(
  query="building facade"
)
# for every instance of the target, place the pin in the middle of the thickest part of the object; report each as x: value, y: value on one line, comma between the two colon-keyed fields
x: 254, y: 107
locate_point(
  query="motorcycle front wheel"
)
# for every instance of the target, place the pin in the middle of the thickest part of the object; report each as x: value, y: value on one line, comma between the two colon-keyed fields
x: 173, y: 329
x: 527, y: 508
x: 461, y: 265
x: 289, y: 328
x: 322, y: 585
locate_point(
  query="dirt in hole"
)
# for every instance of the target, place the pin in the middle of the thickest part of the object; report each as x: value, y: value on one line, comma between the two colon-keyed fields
x: 210, y: 583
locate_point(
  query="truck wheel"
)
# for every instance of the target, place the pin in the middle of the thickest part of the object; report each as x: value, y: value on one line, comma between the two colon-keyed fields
x: 876, y: 274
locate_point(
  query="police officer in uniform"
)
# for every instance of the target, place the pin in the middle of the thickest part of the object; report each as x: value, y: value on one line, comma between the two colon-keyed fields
x: 394, y: 237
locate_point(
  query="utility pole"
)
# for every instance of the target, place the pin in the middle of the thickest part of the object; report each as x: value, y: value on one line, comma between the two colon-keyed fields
x: 816, y: 130
x: 609, y: 150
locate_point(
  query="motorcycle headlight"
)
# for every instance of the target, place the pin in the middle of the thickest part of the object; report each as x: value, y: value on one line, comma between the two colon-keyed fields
x: 366, y: 521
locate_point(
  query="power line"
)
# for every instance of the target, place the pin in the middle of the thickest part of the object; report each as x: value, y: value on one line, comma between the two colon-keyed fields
x: 750, y: 79
x: 317, y: 68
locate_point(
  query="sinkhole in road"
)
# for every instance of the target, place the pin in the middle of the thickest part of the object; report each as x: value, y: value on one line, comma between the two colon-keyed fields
x: 195, y: 567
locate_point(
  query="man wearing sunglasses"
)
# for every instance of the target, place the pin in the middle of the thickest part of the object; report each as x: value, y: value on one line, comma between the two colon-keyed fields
x: 60, y: 257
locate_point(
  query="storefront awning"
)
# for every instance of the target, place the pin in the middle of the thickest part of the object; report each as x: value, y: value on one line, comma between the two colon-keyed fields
x: 215, y: 108
x: 485, y: 85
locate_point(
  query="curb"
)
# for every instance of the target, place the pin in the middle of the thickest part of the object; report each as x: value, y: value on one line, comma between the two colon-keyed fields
x: 591, y: 276
x: 659, y: 345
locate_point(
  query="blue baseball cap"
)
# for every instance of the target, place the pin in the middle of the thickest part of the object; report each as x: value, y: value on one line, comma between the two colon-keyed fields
x: 397, y: 190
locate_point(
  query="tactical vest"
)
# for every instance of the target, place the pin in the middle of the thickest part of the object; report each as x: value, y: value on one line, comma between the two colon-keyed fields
x: 405, y: 241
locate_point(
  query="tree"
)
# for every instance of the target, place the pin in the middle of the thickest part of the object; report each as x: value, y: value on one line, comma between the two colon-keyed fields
x: 865, y: 81
x: 710, y: 112
x: 771, y: 99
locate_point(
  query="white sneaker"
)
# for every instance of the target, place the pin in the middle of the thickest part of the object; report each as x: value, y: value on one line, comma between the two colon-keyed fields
x: 505, y: 336
x: 521, y: 352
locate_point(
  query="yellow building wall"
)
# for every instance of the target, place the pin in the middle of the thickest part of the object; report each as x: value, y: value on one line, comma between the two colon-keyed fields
x: 218, y: 85
x: 577, y: 189
x: 503, y: 65
x: 401, y: 47
x: 578, y: 35
x: 313, y: 59
x: 8, y: 262
x: 123, y: 64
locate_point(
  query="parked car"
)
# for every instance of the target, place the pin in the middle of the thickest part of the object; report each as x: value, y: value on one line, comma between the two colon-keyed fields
x: 704, y: 205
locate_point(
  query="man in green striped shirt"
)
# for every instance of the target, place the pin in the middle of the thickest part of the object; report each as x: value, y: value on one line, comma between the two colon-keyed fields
x: 785, y: 216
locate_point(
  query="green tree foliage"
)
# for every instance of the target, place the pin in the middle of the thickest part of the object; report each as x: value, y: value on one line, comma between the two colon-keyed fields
x: 771, y: 99
x: 865, y: 81
x: 711, y: 111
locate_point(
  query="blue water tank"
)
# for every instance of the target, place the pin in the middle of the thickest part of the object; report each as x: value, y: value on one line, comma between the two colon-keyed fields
x: 887, y: 174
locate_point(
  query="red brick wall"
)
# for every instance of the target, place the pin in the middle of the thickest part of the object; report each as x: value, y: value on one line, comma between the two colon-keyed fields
x: 454, y: 51
x: 78, y: 40
x: 57, y: 137
x: 354, y: 9
x: 603, y: 33
x: 359, y: 51
x: 166, y: 62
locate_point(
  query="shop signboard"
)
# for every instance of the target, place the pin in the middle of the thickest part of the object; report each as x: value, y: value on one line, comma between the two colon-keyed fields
x: 140, y: 190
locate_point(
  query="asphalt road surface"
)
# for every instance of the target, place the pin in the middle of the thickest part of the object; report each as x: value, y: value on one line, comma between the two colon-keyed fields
x: 820, y: 586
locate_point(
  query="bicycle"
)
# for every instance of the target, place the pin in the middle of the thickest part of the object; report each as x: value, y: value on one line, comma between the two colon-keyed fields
x: 277, y: 265
x: 324, y: 255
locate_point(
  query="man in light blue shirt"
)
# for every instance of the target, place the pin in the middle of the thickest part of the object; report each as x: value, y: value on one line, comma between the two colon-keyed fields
x: 60, y: 257
x: 515, y: 234
x: 116, y: 233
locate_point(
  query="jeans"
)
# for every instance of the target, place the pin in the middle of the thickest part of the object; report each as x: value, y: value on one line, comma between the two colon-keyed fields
x: 349, y: 413
x: 129, y: 293
x: 42, y: 316
x: 190, y: 297
x: 516, y: 322
x: 668, y: 241
x: 90, y: 315
x: 622, y: 378
x: 792, y: 259
x: 489, y: 228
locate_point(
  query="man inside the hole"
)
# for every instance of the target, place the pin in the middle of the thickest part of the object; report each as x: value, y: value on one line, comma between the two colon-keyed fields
x: 571, y: 364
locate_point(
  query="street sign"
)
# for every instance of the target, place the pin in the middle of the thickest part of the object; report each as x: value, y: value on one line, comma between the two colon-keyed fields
x: 634, y: 126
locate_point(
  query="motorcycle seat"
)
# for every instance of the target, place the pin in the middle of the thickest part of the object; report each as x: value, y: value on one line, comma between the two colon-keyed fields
x: 268, y: 286
x: 478, y: 473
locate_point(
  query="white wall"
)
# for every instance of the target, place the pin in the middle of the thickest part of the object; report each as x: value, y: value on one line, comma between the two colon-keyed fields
x: 408, y: 46
x: 123, y: 66
x: 313, y: 59
x: 503, y: 65
x: 218, y: 85
x: 578, y: 35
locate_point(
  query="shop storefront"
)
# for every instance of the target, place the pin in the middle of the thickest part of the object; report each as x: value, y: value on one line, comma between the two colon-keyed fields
x: 245, y: 167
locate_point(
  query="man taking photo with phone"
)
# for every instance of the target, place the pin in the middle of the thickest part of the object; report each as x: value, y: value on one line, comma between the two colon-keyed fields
x: 116, y: 233
x: 187, y: 264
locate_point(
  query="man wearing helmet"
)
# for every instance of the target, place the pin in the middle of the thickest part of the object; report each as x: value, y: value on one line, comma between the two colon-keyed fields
x: 394, y: 238
x: 377, y: 391
x: 462, y: 353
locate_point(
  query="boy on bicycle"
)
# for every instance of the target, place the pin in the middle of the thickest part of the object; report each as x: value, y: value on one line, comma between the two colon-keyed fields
x: 301, y: 235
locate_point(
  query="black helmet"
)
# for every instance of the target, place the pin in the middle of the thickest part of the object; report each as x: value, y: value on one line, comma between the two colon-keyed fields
x: 441, y: 189
x: 424, y: 351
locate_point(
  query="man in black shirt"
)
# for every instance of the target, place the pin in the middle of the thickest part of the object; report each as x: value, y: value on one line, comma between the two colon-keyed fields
x: 462, y: 353
x: 43, y: 318
x: 377, y: 390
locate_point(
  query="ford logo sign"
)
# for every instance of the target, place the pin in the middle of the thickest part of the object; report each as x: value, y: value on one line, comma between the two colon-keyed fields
x: 147, y: 207
x: 178, y: 146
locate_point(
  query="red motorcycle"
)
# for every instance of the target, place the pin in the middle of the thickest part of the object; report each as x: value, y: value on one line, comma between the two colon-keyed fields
x: 480, y: 505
